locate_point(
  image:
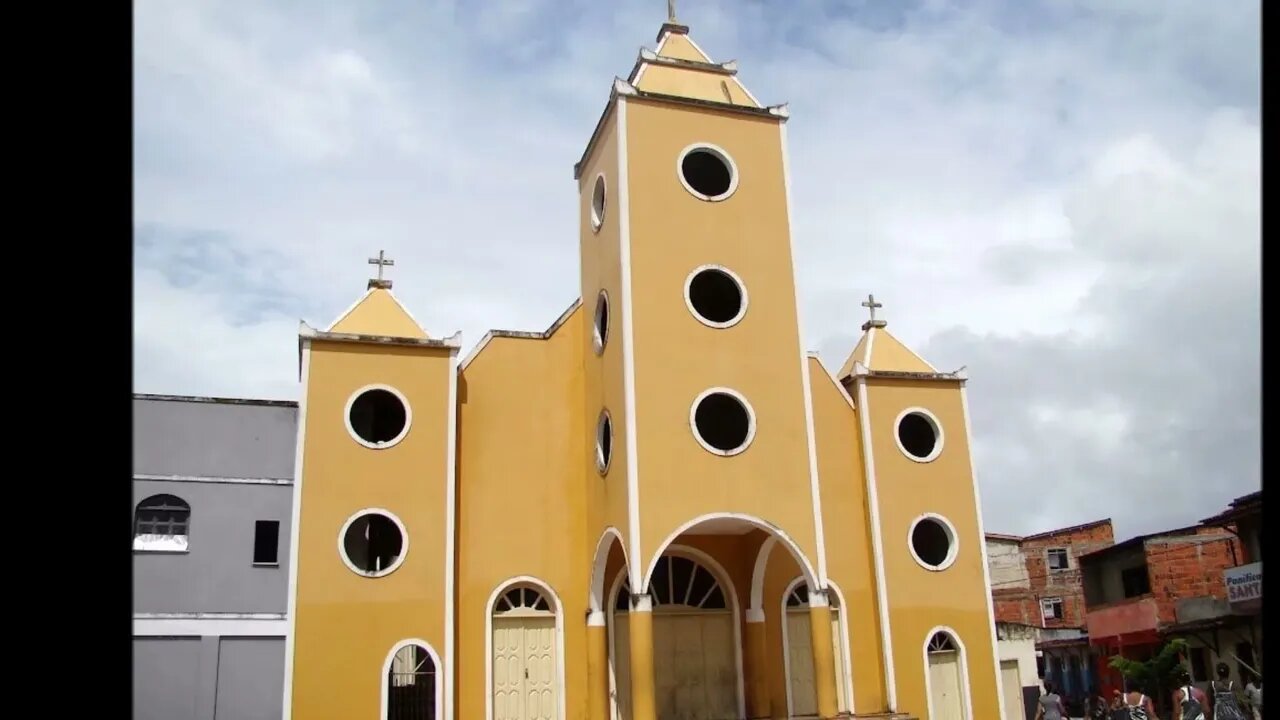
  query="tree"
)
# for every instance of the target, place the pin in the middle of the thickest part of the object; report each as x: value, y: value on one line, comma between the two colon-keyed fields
x: 1163, y: 670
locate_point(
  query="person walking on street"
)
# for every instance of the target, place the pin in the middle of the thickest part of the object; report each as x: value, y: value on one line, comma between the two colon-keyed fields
x: 1050, y: 705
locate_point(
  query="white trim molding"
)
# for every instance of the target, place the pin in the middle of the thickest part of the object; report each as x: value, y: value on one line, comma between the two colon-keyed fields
x: 815, y: 485
x: 450, y: 534
x: 628, y: 350
x: 757, y: 573
x: 746, y: 406
x: 595, y: 597
x: 877, y: 544
x: 395, y: 564
x: 143, y: 477
x: 404, y: 402
x: 295, y: 529
x: 544, y: 588
x: 938, y: 436
x: 953, y: 541
x: 210, y: 625
x: 720, y: 154
x: 441, y: 688
x: 806, y: 568
x: 982, y: 547
x: 964, y: 671
x: 594, y: 216
x: 742, y: 295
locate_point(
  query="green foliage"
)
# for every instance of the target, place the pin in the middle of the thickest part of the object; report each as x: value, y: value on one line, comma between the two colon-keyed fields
x: 1163, y: 670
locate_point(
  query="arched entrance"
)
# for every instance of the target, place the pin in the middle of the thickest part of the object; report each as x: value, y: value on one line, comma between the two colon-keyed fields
x: 410, y: 686
x: 802, y: 696
x: 946, y: 677
x: 696, y: 650
x: 525, y: 655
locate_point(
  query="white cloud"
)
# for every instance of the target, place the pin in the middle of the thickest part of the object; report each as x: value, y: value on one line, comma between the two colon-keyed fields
x: 1062, y: 196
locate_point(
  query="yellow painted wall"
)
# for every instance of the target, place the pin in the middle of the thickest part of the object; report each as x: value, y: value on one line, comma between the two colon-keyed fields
x: 521, y: 508
x: 677, y: 357
x: 846, y: 524
x: 346, y: 624
x: 601, y: 268
x: 700, y: 84
x: 920, y: 599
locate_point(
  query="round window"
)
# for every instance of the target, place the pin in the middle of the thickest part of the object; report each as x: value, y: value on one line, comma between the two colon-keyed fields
x: 716, y: 296
x: 604, y: 442
x: 373, y: 543
x: 933, y: 542
x: 707, y: 172
x: 600, y: 330
x: 919, y: 434
x: 377, y: 416
x: 723, y: 421
x: 597, y: 203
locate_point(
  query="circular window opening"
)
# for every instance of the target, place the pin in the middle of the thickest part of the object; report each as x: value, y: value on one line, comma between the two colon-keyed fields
x: 919, y: 435
x: 933, y: 542
x: 597, y: 203
x: 604, y: 442
x: 373, y: 543
x: 708, y: 173
x: 723, y: 422
x: 378, y: 417
x: 600, y: 334
x: 716, y: 296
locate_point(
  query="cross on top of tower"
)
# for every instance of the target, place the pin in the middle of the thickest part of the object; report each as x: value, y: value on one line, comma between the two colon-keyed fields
x: 382, y: 261
x: 671, y: 11
x: 871, y: 304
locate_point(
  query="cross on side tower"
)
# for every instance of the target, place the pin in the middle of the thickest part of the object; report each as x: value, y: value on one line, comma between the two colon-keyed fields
x: 382, y: 261
x: 871, y: 304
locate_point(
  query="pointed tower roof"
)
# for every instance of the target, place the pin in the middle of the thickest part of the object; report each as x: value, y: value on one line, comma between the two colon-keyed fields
x: 378, y: 312
x: 677, y: 67
x: 878, y: 350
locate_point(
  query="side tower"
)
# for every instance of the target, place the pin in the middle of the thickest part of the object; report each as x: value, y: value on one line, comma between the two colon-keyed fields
x: 696, y: 385
x: 938, y: 639
x: 372, y: 572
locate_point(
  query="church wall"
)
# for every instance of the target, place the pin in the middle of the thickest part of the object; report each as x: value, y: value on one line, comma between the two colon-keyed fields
x: 850, y: 563
x: 601, y: 268
x: 677, y: 357
x: 346, y: 624
x: 521, y: 504
x: 920, y: 599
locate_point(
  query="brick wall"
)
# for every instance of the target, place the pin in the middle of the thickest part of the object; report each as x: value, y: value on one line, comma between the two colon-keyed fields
x: 1188, y: 566
x: 1022, y: 604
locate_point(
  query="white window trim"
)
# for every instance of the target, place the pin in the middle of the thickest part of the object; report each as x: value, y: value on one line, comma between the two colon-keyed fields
x: 597, y: 219
x: 404, y: 543
x: 724, y: 156
x: 1049, y: 602
x: 603, y: 463
x: 937, y: 431
x: 742, y: 290
x: 953, y: 551
x: 408, y: 417
x: 1065, y: 552
x: 751, y: 421
x: 598, y: 341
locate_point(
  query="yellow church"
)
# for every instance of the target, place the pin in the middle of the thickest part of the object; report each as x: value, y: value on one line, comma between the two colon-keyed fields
x: 661, y: 507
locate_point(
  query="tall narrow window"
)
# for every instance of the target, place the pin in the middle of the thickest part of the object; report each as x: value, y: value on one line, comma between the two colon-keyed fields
x: 266, y: 542
x: 411, y: 685
x: 161, y: 524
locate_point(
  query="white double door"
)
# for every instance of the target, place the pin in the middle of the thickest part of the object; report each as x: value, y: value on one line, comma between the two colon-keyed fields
x: 695, y: 673
x: 524, y: 668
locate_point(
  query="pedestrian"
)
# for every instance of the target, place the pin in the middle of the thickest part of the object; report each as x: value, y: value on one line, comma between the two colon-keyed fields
x: 1050, y: 705
x: 1135, y: 705
x: 1189, y: 701
x: 1253, y: 693
x: 1226, y: 700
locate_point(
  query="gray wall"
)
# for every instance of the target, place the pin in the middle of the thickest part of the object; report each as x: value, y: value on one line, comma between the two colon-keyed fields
x: 229, y: 678
x: 208, y: 438
x: 217, y: 573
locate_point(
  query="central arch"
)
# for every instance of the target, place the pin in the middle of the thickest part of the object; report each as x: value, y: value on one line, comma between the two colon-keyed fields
x: 775, y: 533
x: 686, y: 603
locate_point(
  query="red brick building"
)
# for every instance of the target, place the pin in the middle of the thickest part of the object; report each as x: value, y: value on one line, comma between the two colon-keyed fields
x: 1136, y: 591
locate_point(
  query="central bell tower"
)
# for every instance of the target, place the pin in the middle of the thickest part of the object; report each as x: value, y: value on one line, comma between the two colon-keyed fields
x: 696, y: 384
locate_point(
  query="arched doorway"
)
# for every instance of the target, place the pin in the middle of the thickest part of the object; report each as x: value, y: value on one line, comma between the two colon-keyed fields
x: 802, y: 695
x: 945, y: 676
x: 525, y: 679
x: 410, y: 686
x: 696, y: 657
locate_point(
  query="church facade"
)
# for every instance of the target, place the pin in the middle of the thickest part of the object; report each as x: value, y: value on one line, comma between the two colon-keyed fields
x: 662, y: 506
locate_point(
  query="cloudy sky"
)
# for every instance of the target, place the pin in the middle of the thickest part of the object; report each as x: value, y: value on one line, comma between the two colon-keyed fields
x: 1061, y: 195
